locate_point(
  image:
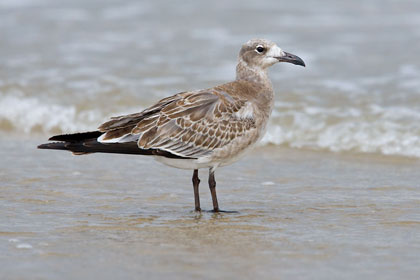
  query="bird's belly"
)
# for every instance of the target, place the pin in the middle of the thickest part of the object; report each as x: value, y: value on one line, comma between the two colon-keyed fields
x: 219, y: 157
x: 204, y: 162
x: 237, y: 156
x: 183, y: 163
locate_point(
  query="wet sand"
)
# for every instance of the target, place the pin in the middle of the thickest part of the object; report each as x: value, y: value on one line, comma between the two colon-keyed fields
x: 67, y: 66
x: 301, y: 215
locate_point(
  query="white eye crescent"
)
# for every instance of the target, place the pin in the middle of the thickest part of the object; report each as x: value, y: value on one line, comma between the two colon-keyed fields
x: 260, y: 49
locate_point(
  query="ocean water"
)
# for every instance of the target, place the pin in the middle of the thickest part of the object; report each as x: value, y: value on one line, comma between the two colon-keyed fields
x: 302, y: 211
x: 68, y: 66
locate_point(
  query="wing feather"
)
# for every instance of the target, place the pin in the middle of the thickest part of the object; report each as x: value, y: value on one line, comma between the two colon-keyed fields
x: 188, y: 124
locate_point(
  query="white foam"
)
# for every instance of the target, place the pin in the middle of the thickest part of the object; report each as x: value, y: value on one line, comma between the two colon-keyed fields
x: 28, y: 114
x: 375, y: 129
x: 24, y: 246
x: 342, y: 85
x: 66, y: 14
x: 19, y: 3
x: 391, y: 130
x: 119, y: 12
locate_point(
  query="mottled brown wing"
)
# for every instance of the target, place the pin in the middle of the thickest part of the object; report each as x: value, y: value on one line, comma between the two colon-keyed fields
x: 190, y: 124
x: 120, y: 126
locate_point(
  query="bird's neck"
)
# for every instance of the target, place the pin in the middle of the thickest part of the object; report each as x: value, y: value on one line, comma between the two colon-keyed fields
x: 259, y: 77
x: 255, y: 74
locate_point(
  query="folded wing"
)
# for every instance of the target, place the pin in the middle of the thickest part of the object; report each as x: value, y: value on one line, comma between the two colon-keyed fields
x: 188, y: 124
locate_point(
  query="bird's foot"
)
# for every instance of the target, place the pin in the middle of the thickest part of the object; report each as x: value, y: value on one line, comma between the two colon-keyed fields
x: 222, y: 211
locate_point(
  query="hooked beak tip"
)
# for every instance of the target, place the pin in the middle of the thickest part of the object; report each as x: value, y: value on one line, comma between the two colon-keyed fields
x: 291, y: 58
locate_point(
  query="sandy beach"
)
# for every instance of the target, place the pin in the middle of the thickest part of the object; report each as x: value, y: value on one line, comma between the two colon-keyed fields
x: 301, y: 214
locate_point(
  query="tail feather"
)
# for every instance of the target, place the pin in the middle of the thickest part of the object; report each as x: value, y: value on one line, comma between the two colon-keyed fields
x: 86, y: 143
x: 53, y: 146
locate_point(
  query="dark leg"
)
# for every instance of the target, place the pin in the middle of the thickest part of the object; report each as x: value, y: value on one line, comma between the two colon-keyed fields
x: 196, y: 182
x: 212, y: 185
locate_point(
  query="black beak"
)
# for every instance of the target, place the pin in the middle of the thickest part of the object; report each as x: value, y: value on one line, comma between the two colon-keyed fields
x: 291, y: 58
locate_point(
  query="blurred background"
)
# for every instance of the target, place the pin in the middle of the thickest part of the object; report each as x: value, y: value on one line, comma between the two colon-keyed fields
x: 303, y: 213
x: 67, y: 66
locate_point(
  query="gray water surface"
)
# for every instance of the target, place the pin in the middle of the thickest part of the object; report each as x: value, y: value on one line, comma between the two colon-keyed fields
x: 301, y: 215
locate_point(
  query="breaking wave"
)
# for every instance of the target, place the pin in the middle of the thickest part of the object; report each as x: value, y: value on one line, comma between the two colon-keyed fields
x: 31, y: 115
x: 374, y: 129
x: 370, y: 129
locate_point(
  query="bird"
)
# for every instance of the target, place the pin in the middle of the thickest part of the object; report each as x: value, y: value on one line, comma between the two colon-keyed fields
x: 207, y: 128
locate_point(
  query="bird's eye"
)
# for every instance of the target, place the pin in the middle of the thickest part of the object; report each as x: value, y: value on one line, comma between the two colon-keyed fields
x: 260, y: 49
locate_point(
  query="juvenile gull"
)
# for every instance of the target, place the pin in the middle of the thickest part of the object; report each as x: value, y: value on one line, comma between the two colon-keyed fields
x: 196, y: 129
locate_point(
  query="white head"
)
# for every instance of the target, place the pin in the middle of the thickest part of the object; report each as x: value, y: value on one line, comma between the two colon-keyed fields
x: 260, y: 53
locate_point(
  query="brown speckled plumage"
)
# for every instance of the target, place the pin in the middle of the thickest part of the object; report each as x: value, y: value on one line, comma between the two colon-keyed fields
x: 196, y: 129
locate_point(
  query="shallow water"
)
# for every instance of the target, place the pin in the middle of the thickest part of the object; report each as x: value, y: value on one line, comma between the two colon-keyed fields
x: 301, y: 215
x: 69, y: 65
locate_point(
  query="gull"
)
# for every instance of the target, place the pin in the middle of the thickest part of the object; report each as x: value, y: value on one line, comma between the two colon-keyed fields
x: 207, y: 128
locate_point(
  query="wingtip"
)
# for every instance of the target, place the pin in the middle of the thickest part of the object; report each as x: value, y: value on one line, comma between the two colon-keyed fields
x: 54, y: 138
x: 60, y: 137
x: 75, y: 137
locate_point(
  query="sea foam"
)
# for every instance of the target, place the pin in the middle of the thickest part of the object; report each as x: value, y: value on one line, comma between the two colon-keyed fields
x: 30, y: 114
x: 374, y: 129
x: 370, y: 129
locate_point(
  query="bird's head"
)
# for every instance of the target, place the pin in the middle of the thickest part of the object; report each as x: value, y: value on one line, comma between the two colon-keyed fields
x: 260, y: 53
